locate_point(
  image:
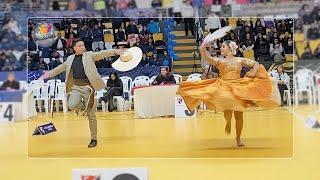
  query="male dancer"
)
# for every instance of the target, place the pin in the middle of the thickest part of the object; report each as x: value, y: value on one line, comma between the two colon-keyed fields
x: 82, y: 80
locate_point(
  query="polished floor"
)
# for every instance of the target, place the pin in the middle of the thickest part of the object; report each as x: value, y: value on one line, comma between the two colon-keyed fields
x: 266, y: 133
x: 16, y: 165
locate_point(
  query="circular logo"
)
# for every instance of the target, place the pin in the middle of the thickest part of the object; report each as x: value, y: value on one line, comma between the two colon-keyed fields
x: 45, y: 34
x: 126, y: 177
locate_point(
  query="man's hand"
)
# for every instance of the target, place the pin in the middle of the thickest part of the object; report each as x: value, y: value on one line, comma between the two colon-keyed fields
x: 119, y: 51
x: 45, y: 75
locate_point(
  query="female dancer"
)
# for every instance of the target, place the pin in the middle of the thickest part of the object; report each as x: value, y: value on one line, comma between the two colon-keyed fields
x: 230, y: 93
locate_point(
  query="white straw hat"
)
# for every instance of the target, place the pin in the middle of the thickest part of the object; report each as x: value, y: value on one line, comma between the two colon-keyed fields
x: 128, y: 59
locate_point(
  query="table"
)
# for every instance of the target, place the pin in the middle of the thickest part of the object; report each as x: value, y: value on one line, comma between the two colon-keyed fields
x: 153, y: 101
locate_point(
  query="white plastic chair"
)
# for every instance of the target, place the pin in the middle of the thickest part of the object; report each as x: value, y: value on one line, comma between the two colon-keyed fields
x: 141, y: 81
x: 23, y: 85
x: 122, y: 104
x: 304, y: 82
x: 99, y: 94
x: 61, y: 95
x: 178, y: 78
x: 42, y: 94
x: 194, y: 77
x: 152, y: 79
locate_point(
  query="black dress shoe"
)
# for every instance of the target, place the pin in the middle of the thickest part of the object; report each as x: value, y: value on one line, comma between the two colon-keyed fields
x: 93, y: 143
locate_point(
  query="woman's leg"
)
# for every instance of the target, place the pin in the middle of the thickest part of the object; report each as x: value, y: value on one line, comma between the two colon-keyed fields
x: 239, y: 124
x: 228, y: 117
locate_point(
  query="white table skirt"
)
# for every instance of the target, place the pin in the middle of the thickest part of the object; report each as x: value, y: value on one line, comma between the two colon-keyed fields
x: 154, y: 101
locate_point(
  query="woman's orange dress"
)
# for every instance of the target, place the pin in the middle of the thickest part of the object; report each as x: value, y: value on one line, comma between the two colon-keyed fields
x: 229, y: 91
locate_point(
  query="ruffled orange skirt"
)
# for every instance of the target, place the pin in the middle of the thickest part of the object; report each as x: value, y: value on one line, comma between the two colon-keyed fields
x: 238, y: 94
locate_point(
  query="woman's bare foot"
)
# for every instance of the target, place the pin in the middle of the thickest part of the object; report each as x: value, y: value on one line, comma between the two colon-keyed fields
x: 239, y: 143
x: 227, y: 129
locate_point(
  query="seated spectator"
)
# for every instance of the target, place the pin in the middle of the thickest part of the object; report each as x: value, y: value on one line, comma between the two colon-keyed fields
x: 313, y: 32
x: 114, y: 88
x: 149, y: 47
x: 307, y: 54
x: 261, y: 48
x: 144, y: 61
x: 271, y: 34
x: 156, y: 3
x: 259, y: 28
x: 144, y: 31
x: 97, y: 34
x: 86, y: 35
x: 32, y: 45
x: 165, y: 59
x: 248, y: 43
x: 276, y: 50
x: 131, y: 28
x: 54, y: 63
x: 70, y: 40
x: 165, y: 77
x: 282, y: 79
x: 42, y: 65
x: 60, y: 43
x: 138, y: 43
x: 10, y: 84
x: 288, y: 47
x: 144, y: 38
x: 153, y: 27
x: 119, y: 36
x: 283, y: 27
x: 154, y: 60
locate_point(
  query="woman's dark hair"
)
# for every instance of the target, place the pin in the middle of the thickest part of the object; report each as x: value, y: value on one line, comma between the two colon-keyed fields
x: 166, y: 68
x: 115, y: 74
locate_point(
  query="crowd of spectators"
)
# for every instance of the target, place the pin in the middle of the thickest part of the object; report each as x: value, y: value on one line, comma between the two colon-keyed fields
x: 99, y: 34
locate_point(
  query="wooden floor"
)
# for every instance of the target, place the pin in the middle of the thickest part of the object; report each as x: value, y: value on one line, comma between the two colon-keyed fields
x: 16, y: 165
x: 267, y: 134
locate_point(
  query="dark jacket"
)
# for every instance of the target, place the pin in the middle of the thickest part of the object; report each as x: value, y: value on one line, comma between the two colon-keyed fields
x: 166, y: 80
x: 12, y: 85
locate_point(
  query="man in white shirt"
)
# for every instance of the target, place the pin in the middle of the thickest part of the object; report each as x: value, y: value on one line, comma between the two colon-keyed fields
x: 187, y: 13
x: 213, y: 22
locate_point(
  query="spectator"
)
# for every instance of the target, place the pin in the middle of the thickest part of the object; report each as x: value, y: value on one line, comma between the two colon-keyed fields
x: 60, y: 43
x: 131, y: 28
x: 213, y: 22
x: 138, y: 43
x: 288, y: 47
x: 114, y: 88
x: 12, y: 26
x: 313, y: 31
x: 70, y: 41
x: 55, y: 6
x: 259, y: 28
x: 282, y: 79
x: 32, y: 45
x: 276, y: 50
x: 156, y: 3
x: 153, y: 27
x: 97, y: 34
x: 154, y: 60
x: 149, y: 47
x: 54, y: 63
x: 10, y: 84
x: 248, y: 42
x: 165, y: 77
x: 42, y: 65
x: 144, y: 61
x: 188, y: 17
x: 307, y: 55
x: 283, y: 27
x: 119, y: 36
x: 261, y: 48
x: 144, y: 31
x: 86, y: 35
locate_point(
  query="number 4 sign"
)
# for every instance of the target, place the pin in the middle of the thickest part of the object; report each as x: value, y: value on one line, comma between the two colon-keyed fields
x: 6, y: 112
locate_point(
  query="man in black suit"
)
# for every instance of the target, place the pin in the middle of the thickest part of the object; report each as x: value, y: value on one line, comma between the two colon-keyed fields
x: 10, y: 84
